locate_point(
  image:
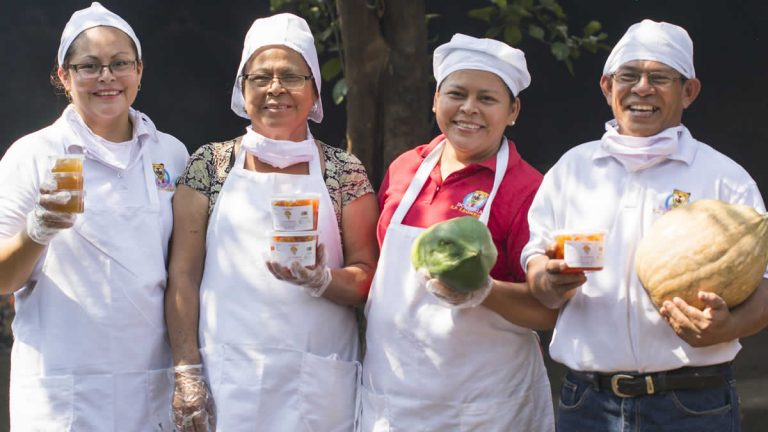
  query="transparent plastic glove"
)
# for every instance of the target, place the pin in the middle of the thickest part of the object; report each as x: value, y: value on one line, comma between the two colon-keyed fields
x: 43, y: 224
x: 315, y: 280
x: 192, y: 409
x: 454, y: 299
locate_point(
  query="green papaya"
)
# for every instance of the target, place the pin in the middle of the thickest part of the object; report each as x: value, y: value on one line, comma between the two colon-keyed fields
x: 458, y: 252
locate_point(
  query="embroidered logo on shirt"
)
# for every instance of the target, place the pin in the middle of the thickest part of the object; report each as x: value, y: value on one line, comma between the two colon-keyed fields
x: 472, y: 203
x: 162, y: 178
x: 674, y: 200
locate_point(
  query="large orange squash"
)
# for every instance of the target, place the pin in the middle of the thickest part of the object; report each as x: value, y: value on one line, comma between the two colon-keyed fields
x: 707, y: 245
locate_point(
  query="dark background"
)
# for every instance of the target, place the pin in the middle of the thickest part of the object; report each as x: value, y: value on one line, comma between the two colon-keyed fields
x: 191, y: 53
x: 192, y: 49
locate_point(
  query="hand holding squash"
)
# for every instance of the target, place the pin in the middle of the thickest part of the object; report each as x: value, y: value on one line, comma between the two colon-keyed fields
x: 699, y: 327
x: 707, y: 245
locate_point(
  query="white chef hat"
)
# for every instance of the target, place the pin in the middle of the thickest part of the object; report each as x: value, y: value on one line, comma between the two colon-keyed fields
x: 658, y: 41
x: 282, y: 29
x: 467, y: 52
x: 93, y: 16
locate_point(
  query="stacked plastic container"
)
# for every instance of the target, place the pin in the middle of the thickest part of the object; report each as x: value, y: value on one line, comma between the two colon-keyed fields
x: 294, y: 222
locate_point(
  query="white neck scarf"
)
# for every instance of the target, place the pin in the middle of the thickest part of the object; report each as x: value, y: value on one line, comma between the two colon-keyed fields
x: 279, y: 153
x: 639, y: 153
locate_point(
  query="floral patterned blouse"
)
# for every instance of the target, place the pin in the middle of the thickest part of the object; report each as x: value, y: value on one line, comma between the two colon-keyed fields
x: 208, y: 167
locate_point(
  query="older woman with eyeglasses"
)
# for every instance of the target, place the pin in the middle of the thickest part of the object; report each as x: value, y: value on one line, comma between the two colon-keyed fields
x: 278, y: 343
x: 90, y: 351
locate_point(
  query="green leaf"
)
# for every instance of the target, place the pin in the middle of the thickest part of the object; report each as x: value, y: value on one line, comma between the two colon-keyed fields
x: 548, y: 3
x: 591, y: 28
x: 482, y: 14
x: 575, y: 54
x: 519, y: 11
x: 493, y: 32
x: 511, y: 16
x: 560, y: 51
x: 331, y: 69
x: 275, y: 5
x: 536, y: 32
x: 512, y: 35
x: 339, y: 91
x: 558, y: 11
x: 502, y: 4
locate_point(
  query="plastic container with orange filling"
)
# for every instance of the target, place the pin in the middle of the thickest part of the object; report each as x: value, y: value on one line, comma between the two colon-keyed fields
x: 295, y: 212
x: 68, y: 180
x: 582, y: 250
x: 288, y: 247
x: 66, y: 163
x: 74, y: 205
x: 67, y: 172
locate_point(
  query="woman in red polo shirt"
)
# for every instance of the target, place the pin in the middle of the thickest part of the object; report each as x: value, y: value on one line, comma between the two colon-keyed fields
x: 429, y: 366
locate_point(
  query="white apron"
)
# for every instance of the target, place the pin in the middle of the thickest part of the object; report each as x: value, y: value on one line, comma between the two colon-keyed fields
x: 277, y: 359
x: 90, y: 350
x: 431, y: 368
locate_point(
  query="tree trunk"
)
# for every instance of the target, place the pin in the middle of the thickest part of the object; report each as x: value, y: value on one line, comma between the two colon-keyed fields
x: 386, y: 68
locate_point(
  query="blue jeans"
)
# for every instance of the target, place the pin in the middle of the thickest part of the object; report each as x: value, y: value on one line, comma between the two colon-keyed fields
x: 583, y: 408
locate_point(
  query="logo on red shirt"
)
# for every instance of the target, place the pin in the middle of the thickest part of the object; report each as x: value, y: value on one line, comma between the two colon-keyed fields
x: 472, y: 203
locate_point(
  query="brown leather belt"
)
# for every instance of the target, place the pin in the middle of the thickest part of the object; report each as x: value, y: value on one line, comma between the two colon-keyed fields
x: 639, y: 384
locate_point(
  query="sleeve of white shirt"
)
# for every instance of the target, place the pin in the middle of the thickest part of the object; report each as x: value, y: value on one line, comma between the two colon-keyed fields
x: 541, y: 219
x: 20, y: 180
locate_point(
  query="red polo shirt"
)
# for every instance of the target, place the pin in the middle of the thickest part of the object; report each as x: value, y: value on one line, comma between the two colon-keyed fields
x: 463, y: 193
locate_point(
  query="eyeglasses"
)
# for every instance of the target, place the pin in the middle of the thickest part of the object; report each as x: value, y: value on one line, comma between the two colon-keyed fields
x: 656, y: 79
x: 118, y: 68
x: 289, y: 81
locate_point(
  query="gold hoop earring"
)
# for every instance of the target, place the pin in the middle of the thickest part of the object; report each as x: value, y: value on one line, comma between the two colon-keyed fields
x: 139, y: 88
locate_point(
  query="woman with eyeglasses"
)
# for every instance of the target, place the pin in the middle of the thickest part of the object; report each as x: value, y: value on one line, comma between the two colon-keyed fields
x: 90, y: 351
x: 277, y: 343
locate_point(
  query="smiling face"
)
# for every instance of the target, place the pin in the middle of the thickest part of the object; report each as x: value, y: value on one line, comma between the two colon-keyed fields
x: 473, y: 108
x: 275, y: 111
x: 642, y: 109
x: 102, y: 102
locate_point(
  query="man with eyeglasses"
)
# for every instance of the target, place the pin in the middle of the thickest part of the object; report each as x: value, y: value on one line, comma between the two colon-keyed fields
x: 633, y: 367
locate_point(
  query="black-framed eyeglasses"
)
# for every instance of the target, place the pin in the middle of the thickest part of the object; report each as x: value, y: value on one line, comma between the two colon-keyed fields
x: 288, y: 81
x: 118, y: 68
x: 655, y: 79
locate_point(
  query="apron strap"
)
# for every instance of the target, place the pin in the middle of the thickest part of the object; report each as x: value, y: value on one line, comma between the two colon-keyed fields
x: 421, y: 176
x: 502, y: 158
x: 429, y: 163
x: 321, y: 158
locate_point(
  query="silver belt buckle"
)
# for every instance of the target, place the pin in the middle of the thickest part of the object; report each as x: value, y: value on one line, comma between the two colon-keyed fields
x: 615, y: 384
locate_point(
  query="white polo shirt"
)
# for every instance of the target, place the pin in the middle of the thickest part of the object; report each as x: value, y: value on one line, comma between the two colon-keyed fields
x: 25, y: 165
x: 611, y: 323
